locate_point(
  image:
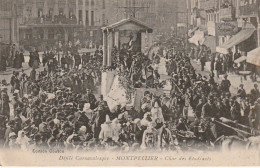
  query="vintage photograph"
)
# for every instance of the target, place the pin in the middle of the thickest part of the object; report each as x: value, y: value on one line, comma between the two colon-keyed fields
x: 129, y: 82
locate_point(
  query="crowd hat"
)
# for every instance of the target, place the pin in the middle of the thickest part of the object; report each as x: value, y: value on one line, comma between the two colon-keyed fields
x: 108, y: 121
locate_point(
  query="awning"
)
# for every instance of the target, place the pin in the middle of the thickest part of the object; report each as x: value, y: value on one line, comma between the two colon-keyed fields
x: 235, y: 40
x: 253, y: 57
x: 198, y: 38
x: 192, y: 30
x: 210, y: 41
x: 240, y: 59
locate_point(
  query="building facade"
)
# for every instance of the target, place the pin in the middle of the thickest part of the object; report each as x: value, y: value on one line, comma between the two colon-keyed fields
x: 47, y: 23
x: 9, y: 34
x: 44, y: 22
x: 8, y: 20
x: 224, y: 20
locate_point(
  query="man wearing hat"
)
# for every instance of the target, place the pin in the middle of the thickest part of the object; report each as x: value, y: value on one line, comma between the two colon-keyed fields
x: 225, y: 84
x: 91, y: 99
x: 255, y: 94
x: 102, y: 102
x: 209, y: 112
x: 235, y: 109
x: 241, y: 91
x: 98, y: 119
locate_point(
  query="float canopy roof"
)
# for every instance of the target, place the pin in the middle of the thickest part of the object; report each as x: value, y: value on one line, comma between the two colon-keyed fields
x: 129, y: 24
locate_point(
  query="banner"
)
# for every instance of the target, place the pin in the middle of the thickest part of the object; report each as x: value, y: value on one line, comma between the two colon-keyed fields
x: 227, y: 28
x: 222, y: 29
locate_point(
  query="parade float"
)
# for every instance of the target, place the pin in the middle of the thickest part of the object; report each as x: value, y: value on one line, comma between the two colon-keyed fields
x: 115, y: 87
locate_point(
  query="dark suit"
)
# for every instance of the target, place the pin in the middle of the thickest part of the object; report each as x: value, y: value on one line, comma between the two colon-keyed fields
x: 98, y: 119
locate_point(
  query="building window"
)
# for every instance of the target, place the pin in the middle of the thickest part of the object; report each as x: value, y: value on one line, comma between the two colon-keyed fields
x: 70, y: 12
x: 92, y: 18
x: 92, y: 2
x: 61, y: 11
x: 87, y: 20
x: 50, y: 12
x: 80, y: 16
x: 103, y: 19
x: 40, y: 12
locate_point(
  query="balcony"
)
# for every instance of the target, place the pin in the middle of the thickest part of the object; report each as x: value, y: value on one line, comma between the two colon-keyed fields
x: 248, y: 10
x: 49, y: 20
x: 227, y: 13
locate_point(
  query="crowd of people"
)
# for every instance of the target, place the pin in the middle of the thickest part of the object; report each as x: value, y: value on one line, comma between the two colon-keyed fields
x: 57, y: 108
x: 220, y: 63
x: 15, y: 60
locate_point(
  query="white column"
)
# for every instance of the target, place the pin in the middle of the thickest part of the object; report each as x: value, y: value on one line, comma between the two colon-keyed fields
x: 45, y: 8
x: 34, y: 10
x: 89, y: 12
x: 77, y: 11
x: 104, y: 48
x: 109, y: 48
x: 56, y: 8
x: 84, y: 13
x: 117, y: 39
x: 66, y: 11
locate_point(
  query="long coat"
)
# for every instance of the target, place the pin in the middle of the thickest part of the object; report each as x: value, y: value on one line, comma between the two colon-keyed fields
x: 98, y: 119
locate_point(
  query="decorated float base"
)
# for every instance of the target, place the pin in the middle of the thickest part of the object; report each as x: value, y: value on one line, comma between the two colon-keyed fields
x: 114, y: 93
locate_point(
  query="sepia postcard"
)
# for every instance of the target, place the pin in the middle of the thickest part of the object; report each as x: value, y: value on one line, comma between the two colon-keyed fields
x: 129, y: 83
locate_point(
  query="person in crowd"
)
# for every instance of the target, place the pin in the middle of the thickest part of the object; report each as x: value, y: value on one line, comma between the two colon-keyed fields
x: 33, y: 74
x: 3, y: 62
x: 202, y: 62
x: 225, y: 84
x: 218, y: 66
x: 255, y: 94
x: 15, y: 83
x: 241, y: 91
x: 212, y: 62
x: 254, y: 115
x: 18, y: 60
